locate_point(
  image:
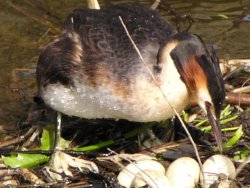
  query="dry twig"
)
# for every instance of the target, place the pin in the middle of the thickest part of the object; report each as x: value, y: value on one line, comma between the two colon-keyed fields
x: 238, y: 99
x: 155, y: 4
x: 30, y: 176
x: 93, y: 4
x: 38, y: 19
x: 19, y: 139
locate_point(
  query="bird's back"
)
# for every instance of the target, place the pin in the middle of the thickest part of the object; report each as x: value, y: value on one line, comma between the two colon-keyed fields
x: 103, y: 29
x: 105, y: 41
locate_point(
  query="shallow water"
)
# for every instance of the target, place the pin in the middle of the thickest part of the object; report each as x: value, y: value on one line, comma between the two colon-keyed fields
x: 23, y: 32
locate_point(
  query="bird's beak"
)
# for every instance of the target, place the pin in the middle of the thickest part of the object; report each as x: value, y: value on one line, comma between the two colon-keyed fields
x: 215, y: 123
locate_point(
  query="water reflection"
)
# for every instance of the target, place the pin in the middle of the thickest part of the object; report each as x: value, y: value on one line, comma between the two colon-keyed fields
x: 22, y: 37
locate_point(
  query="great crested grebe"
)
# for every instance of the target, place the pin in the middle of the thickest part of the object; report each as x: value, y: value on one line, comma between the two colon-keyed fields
x: 93, y: 71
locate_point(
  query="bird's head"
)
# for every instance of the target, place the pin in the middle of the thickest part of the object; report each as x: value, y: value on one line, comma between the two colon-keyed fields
x: 199, y: 70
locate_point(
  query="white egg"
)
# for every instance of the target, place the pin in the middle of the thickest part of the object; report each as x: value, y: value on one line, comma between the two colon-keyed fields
x: 128, y: 175
x: 183, y: 173
x: 214, y: 166
x: 151, y: 178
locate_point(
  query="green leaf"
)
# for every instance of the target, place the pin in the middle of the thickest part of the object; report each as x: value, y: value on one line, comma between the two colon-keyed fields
x: 46, y: 140
x: 185, y: 116
x: 96, y: 146
x: 242, y: 154
x: 224, y: 121
x: 64, y: 143
x: 200, y: 122
x: 232, y: 141
x: 225, y: 112
x: 22, y: 160
x: 107, y: 143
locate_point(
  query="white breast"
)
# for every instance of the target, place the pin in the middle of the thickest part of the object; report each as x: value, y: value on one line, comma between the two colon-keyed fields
x: 146, y: 103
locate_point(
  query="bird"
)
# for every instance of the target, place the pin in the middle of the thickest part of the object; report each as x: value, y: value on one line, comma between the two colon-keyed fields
x: 93, y: 71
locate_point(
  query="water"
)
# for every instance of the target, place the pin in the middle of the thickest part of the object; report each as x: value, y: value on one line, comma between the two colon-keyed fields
x: 22, y: 37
